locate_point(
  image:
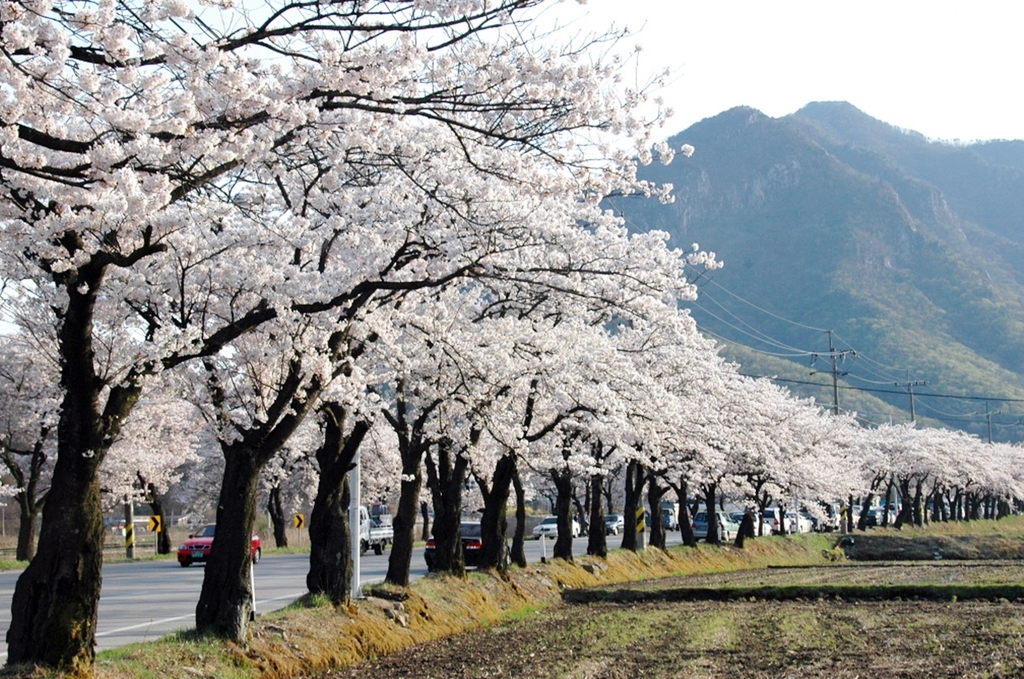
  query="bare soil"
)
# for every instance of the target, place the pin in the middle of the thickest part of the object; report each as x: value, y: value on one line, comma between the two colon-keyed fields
x: 747, y: 638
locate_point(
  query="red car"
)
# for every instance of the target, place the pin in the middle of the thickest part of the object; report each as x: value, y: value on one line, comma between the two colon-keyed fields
x: 197, y: 548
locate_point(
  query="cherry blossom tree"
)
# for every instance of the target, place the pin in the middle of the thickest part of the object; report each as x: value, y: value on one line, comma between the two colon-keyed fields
x: 151, y: 454
x: 28, y: 416
x: 136, y: 140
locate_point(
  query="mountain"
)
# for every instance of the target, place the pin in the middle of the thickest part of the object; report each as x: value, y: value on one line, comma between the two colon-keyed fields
x: 910, y: 250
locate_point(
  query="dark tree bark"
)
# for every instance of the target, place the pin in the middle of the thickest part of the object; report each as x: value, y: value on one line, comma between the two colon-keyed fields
x: 746, y: 529
x: 518, y: 554
x: 918, y: 505
x: 225, y: 601
x: 685, y: 521
x: 710, y: 499
x: 445, y: 477
x: 862, y: 520
x: 635, y: 479
x: 654, y: 495
x: 330, y: 532
x: 56, y: 599
x: 425, y: 517
x: 907, y: 511
x: 562, y: 480
x: 849, y: 514
x: 597, y: 536
x: 494, y: 520
x: 53, y: 610
x: 275, y: 508
x: 29, y: 499
x: 888, y: 499
x: 411, y: 448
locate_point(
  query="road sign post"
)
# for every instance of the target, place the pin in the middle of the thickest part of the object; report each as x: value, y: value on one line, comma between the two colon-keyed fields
x: 299, y: 521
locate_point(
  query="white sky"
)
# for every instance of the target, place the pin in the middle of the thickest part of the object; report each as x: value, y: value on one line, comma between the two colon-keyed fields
x: 949, y: 70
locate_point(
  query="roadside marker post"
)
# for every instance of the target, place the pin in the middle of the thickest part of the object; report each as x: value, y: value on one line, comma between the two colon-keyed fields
x: 641, y: 529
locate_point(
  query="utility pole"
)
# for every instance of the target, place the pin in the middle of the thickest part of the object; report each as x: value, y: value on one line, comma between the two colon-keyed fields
x: 988, y: 417
x: 835, y: 355
x: 910, y: 384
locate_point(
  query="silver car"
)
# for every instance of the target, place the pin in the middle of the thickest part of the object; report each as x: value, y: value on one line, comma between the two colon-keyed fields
x: 727, y: 528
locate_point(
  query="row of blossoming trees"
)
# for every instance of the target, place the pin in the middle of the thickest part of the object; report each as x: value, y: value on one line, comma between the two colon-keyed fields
x: 355, y: 227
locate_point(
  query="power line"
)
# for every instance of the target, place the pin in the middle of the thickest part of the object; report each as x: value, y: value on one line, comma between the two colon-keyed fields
x: 889, y: 391
x: 765, y: 311
x: 763, y: 337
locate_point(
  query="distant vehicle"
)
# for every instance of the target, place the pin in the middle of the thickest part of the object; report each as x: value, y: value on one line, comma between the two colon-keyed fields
x: 614, y: 524
x: 876, y: 517
x: 548, y: 527
x: 375, y: 531
x: 670, y: 514
x: 472, y: 546
x: 737, y: 518
x: 727, y: 528
x: 799, y: 522
x: 197, y: 548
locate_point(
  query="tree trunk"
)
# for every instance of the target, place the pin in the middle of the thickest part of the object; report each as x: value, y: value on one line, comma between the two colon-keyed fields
x: 562, y: 479
x: 635, y: 478
x: 425, y: 517
x: 156, y: 508
x: 330, y: 531
x: 862, y: 520
x: 225, y: 602
x: 29, y: 505
x: 494, y: 521
x: 275, y: 508
x: 710, y: 496
x: 919, y: 504
x: 597, y: 536
x: 53, y: 610
x: 685, y: 521
x: 411, y: 448
x: 654, y: 495
x: 518, y: 555
x: 27, y: 513
x: 445, y: 478
x: 55, y: 602
x: 746, y: 529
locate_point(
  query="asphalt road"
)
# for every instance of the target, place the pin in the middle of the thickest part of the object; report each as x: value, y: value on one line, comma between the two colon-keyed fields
x: 144, y: 600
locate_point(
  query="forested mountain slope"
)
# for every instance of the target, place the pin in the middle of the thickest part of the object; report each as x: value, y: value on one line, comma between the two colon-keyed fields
x: 910, y: 250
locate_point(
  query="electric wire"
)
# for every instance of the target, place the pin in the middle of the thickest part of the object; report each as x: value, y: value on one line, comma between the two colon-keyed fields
x: 768, y: 339
x: 744, y: 332
x: 764, y: 311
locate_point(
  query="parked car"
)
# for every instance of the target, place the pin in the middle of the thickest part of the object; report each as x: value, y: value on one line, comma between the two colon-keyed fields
x: 614, y: 524
x: 197, y: 548
x: 737, y: 518
x: 799, y: 522
x: 472, y: 546
x: 876, y: 517
x: 548, y: 527
x: 727, y: 528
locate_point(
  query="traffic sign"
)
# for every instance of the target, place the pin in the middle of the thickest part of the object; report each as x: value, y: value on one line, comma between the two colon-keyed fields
x: 299, y: 521
x: 156, y: 524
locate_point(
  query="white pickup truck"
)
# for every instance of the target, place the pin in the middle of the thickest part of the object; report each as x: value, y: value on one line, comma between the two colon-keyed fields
x: 375, y: 529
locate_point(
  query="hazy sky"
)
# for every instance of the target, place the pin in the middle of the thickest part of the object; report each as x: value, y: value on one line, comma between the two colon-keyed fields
x: 949, y: 70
